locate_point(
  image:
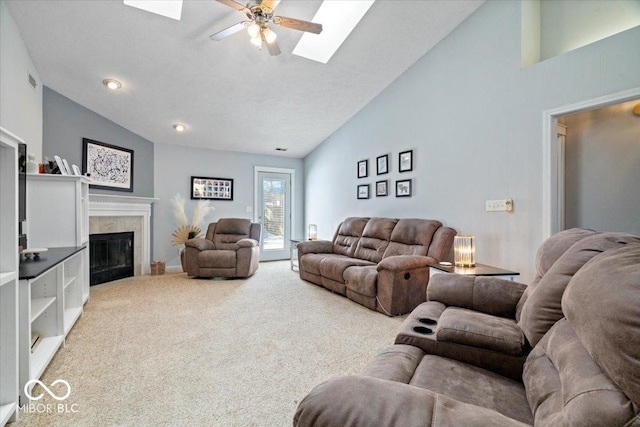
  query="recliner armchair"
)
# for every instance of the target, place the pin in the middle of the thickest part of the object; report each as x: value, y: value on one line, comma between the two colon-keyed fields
x: 231, y: 248
x: 494, y: 323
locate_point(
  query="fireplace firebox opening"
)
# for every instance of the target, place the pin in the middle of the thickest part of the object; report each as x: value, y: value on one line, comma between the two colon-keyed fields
x: 111, y: 257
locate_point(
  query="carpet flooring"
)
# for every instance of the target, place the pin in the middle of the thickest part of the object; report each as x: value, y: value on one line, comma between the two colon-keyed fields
x: 169, y: 350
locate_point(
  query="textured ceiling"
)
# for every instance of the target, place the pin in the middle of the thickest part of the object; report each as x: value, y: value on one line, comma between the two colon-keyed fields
x: 230, y: 95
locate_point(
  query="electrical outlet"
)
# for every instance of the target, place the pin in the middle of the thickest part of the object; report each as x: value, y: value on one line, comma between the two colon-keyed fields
x: 505, y: 205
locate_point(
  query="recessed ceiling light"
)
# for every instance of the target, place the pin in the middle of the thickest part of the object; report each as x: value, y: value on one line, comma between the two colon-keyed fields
x: 338, y: 19
x: 112, y: 84
x: 179, y: 127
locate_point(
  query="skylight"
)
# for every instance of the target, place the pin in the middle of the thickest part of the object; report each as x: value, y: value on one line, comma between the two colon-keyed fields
x: 338, y: 19
x: 169, y: 8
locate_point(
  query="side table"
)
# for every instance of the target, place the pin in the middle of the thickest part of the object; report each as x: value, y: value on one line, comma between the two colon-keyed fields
x: 478, y: 270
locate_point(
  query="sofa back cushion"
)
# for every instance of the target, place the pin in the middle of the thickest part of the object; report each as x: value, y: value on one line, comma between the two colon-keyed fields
x: 584, y: 371
x: 548, y: 253
x: 375, y: 239
x: 348, y: 235
x: 543, y: 306
x: 229, y: 230
x: 411, y: 237
x: 602, y: 304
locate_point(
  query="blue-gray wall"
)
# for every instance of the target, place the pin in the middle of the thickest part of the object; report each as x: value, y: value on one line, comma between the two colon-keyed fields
x: 67, y: 122
x: 474, y: 120
x: 174, y: 166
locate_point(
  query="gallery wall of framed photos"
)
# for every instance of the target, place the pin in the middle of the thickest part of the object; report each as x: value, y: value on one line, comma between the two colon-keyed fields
x: 382, y: 186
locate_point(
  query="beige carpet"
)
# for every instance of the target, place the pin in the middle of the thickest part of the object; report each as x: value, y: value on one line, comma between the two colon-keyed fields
x: 168, y: 350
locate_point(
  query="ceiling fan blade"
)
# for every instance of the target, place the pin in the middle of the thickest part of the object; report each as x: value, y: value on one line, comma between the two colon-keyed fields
x: 235, y: 5
x: 273, y: 48
x: 269, y: 4
x: 298, y: 24
x: 228, y: 31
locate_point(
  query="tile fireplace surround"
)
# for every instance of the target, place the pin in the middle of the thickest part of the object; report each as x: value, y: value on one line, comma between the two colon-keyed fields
x: 111, y: 214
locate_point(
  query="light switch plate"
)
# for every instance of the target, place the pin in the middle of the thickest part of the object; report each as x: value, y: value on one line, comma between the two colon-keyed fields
x: 504, y: 205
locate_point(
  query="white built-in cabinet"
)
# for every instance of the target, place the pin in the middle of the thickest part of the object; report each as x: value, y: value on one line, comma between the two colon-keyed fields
x: 50, y: 303
x: 53, y: 288
x: 58, y: 215
x: 8, y: 276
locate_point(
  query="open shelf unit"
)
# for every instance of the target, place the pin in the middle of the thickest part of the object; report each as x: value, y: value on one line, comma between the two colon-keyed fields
x: 8, y: 277
x: 50, y: 303
x: 69, y: 196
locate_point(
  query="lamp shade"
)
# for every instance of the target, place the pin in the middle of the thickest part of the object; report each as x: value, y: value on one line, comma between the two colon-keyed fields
x: 464, y: 251
x: 313, y: 232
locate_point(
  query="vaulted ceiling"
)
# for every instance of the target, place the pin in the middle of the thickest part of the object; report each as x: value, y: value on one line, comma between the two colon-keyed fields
x: 230, y: 95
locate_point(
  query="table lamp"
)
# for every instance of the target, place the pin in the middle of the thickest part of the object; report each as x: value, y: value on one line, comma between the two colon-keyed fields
x: 464, y: 251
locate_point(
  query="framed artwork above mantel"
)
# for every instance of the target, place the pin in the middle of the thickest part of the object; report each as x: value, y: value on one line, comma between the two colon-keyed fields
x: 107, y: 166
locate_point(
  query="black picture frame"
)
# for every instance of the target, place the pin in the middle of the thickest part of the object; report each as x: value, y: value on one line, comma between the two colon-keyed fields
x: 109, y: 166
x: 209, y: 188
x: 382, y: 164
x: 363, y: 168
x: 403, y: 188
x: 382, y: 188
x: 405, y: 161
x: 363, y: 191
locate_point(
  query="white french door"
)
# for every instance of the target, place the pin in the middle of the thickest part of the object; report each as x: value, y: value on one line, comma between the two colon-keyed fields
x: 273, y: 211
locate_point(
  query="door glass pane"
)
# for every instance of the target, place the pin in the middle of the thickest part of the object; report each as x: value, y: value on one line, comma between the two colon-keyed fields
x: 273, y: 196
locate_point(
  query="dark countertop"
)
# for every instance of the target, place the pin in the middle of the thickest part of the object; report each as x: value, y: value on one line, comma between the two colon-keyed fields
x: 32, y: 268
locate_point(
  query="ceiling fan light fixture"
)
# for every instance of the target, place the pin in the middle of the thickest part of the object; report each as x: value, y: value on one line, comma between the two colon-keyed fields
x: 269, y: 35
x: 257, y: 42
x: 112, y: 84
x: 254, y: 30
x: 179, y: 127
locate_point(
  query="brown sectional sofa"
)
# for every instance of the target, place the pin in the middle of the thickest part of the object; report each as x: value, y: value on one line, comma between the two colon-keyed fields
x: 380, y: 263
x: 584, y: 370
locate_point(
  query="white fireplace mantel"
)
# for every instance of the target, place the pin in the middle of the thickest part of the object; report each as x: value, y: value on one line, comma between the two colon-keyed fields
x: 109, y: 205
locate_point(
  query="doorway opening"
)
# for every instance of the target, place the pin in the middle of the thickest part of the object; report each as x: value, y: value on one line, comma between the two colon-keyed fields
x: 554, y: 157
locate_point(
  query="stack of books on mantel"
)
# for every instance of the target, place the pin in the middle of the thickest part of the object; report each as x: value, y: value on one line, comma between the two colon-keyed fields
x: 35, y: 340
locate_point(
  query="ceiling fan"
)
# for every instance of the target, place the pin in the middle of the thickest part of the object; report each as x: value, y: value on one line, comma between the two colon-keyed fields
x: 260, y: 13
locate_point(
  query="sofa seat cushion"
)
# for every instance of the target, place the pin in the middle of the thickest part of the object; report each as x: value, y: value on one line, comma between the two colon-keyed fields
x: 362, y: 279
x: 217, y: 259
x: 333, y: 267
x: 477, y: 329
x: 311, y: 262
x: 410, y: 365
x: 473, y: 385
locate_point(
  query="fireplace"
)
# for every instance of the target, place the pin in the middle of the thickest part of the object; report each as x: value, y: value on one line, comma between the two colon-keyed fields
x: 110, y: 213
x: 111, y: 257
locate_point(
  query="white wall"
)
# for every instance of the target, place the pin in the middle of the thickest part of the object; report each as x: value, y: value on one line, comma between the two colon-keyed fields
x: 20, y: 103
x: 474, y: 120
x: 603, y: 169
x: 174, y: 167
